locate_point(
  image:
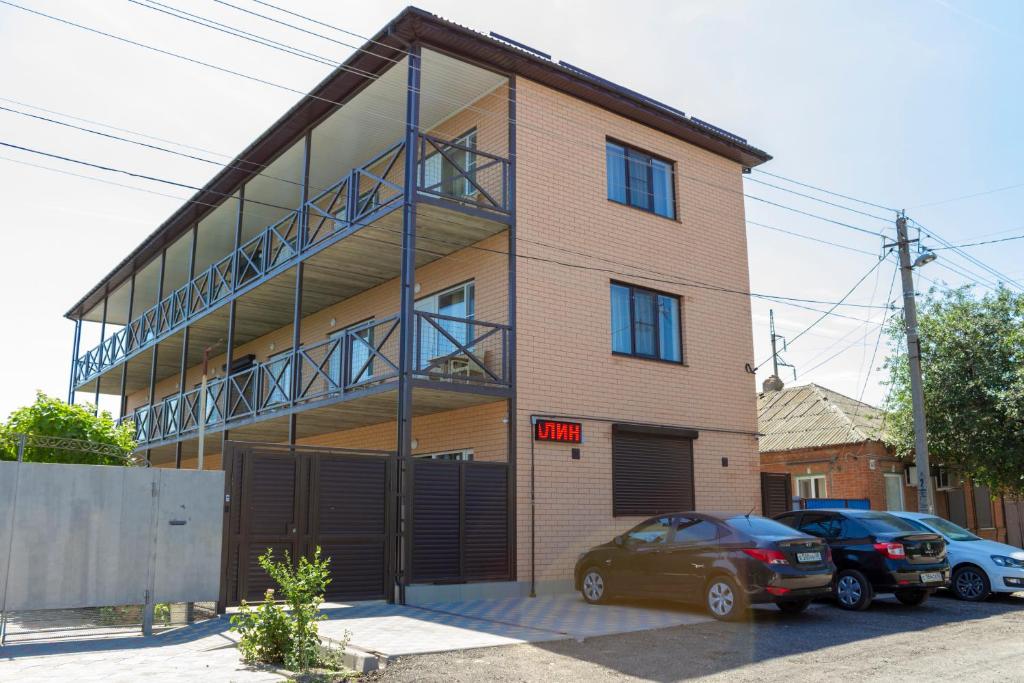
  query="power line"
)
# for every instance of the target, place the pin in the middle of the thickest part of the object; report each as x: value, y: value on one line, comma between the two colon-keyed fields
x: 809, y: 237
x: 300, y: 92
x: 975, y: 244
x: 969, y: 196
x: 969, y: 257
x: 825, y: 315
x: 821, y: 189
x: 817, y: 199
x: 691, y: 283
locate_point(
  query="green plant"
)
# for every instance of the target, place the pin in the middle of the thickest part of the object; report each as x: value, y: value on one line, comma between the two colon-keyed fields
x: 265, y: 631
x: 50, y: 416
x: 271, y: 634
x: 162, y: 613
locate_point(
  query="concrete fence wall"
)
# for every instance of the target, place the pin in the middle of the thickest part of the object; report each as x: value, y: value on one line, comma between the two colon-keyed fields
x: 93, y: 536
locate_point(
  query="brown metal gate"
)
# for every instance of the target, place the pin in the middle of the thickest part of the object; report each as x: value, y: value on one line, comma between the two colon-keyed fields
x: 775, y: 493
x: 461, y: 526
x: 297, y: 498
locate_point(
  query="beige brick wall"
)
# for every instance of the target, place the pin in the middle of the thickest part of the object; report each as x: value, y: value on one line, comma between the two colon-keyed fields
x: 565, y: 365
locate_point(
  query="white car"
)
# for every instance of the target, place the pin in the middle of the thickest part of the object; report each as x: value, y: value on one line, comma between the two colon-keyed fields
x: 980, y: 567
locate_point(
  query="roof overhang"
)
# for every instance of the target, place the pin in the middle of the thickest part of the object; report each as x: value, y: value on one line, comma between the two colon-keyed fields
x: 377, y: 54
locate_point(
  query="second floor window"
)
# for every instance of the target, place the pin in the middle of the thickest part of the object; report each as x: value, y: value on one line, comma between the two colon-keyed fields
x: 638, y: 179
x: 646, y: 323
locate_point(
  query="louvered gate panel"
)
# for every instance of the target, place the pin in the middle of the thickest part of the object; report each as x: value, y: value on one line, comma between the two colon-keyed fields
x: 435, y: 521
x: 775, y: 488
x: 651, y: 473
x: 349, y: 523
x: 485, y: 521
x: 271, y: 517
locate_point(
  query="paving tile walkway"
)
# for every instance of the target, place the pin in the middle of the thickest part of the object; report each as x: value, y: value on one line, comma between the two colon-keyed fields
x: 392, y: 630
x: 207, y: 651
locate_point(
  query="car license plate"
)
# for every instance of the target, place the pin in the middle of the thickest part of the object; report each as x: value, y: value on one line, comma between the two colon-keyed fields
x: 931, y: 577
x: 808, y: 557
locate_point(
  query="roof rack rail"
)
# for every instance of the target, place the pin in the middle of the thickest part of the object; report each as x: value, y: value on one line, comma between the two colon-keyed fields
x: 521, y: 46
x: 715, y: 128
x: 620, y: 88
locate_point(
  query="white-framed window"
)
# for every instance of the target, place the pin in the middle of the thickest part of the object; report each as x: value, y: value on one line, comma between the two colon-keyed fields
x: 440, y: 176
x: 810, y: 486
x: 357, y: 350
x: 457, y: 302
x: 893, y: 491
x: 465, y: 454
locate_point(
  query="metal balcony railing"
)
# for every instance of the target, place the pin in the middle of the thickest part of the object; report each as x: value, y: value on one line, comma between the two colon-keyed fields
x: 454, y: 173
x: 446, y: 349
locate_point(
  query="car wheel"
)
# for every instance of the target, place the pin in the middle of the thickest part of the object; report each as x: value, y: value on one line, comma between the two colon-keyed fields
x: 594, y: 587
x: 912, y: 596
x: 793, y: 606
x: 852, y: 590
x: 971, y: 583
x: 724, y: 599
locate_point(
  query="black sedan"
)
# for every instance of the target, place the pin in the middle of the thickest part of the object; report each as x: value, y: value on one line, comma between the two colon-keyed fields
x: 725, y: 561
x: 876, y: 552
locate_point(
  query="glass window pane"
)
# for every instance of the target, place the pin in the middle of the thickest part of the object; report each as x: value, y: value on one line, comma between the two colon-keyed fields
x: 668, y: 328
x: 663, y: 199
x: 615, y: 157
x: 622, y: 335
x: 644, y: 325
x: 638, y: 166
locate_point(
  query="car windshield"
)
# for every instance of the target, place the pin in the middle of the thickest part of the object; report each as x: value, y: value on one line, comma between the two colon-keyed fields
x: 946, y: 528
x: 882, y: 523
x: 760, y: 526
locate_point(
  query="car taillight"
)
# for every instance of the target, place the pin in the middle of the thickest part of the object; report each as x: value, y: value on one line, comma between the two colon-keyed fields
x: 894, y: 551
x: 828, y: 554
x: 767, y: 556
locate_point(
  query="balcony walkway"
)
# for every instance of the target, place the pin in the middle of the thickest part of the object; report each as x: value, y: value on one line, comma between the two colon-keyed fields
x: 467, y: 204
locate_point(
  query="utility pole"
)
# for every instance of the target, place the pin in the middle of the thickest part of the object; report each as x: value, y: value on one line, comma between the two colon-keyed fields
x: 924, y: 498
x: 776, y: 359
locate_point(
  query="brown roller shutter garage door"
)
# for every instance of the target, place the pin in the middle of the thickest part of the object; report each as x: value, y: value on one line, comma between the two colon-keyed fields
x: 652, y: 470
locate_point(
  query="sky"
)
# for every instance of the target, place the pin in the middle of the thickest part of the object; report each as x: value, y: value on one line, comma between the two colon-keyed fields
x: 905, y: 105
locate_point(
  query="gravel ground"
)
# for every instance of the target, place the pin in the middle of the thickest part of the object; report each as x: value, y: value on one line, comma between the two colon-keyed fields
x: 945, y: 639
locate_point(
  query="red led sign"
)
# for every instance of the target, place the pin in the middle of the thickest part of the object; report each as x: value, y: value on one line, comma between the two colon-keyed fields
x: 555, y: 430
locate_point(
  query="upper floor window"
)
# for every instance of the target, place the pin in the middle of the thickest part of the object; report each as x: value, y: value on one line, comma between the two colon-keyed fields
x: 638, y: 179
x: 646, y: 323
x: 449, y: 173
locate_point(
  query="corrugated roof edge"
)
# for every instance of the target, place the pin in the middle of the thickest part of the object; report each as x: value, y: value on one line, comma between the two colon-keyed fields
x: 394, y: 30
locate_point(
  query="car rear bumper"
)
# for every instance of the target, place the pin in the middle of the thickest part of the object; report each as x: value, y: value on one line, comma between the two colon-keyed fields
x: 909, y: 577
x: 782, y: 587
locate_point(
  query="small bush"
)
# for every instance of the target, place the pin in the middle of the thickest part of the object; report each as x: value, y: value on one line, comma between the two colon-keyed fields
x: 265, y: 631
x: 274, y: 635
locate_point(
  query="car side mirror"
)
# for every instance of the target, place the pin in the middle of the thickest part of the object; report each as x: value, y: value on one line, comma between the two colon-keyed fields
x: 619, y: 541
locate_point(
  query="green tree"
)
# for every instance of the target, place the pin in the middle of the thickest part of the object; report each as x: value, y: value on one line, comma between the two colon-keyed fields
x: 51, y: 417
x: 972, y: 356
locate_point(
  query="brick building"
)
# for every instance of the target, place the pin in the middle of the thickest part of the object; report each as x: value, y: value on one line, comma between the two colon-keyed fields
x: 828, y: 445
x: 456, y: 312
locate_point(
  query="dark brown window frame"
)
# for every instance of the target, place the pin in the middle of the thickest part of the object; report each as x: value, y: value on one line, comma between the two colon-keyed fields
x: 650, y: 179
x: 657, y: 325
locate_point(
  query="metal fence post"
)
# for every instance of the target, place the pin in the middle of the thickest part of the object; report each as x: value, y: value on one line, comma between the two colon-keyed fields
x: 22, y: 440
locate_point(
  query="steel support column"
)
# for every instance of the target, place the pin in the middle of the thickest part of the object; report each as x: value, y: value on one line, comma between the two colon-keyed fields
x: 229, y: 355
x: 407, y: 317
x: 75, y: 344
x: 511, y: 369
x: 103, y: 332
x: 127, y: 342
x: 297, y: 312
x: 183, y: 367
x: 156, y: 348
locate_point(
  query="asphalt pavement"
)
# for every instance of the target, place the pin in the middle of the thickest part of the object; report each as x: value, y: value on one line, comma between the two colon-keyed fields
x: 944, y: 639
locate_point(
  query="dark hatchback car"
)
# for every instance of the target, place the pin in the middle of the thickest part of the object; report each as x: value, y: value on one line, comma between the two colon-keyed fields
x: 725, y: 561
x: 875, y: 552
